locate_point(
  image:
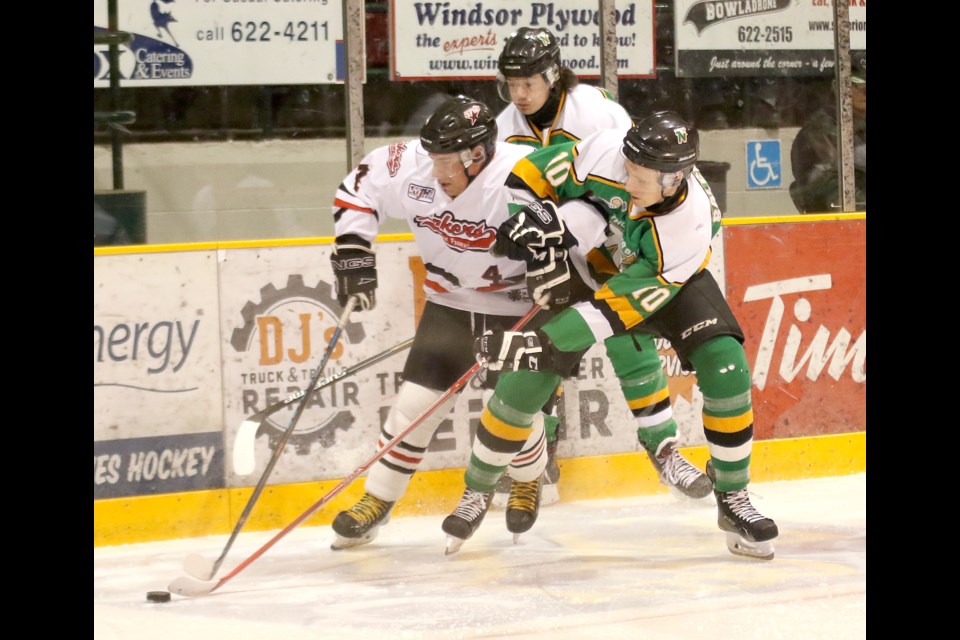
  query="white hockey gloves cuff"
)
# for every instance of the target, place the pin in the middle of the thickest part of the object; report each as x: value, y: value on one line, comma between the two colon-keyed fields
x: 513, y: 350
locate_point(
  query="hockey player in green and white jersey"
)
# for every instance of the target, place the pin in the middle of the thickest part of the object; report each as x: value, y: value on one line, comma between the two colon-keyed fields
x: 644, y: 182
x: 549, y: 106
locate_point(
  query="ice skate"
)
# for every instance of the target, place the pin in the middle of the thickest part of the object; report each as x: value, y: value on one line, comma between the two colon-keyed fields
x: 748, y: 532
x: 523, y: 506
x: 466, y: 518
x: 361, y: 523
x: 676, y: 473
x: 548, y: 486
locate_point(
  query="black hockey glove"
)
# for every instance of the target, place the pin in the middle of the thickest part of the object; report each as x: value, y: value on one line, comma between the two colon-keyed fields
x: 548, y: 279
x: 355, y: 272
x: 512, y: 350
x: 536, y: 227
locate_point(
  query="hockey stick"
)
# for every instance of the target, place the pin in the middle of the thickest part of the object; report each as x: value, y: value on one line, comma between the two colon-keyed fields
x: 198, y: 565
x: 192, y: 587
x: 243, y: 445
x: 203, y: 568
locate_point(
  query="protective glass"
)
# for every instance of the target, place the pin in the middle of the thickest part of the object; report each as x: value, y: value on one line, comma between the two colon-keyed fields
x: 541, y: 82
x: 649, y: 177
x: 448, y: 165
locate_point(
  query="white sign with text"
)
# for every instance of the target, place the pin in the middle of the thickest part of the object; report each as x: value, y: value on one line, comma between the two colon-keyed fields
x: 462, y: 39
x: 720, y: 38
x: 223, y: 42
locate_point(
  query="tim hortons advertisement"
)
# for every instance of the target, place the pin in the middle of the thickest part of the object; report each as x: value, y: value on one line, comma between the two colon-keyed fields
x: 803, y: 310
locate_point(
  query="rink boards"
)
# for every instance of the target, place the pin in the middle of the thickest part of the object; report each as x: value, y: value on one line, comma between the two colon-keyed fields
x: 189, y: 340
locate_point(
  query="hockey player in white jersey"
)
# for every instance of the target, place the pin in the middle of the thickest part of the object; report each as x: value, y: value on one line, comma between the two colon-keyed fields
x: 449, y: 186
x: 549, y: 106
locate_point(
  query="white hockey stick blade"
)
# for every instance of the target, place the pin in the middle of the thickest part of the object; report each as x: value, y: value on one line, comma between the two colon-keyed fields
x: 244, y: 445
x: 196, y: 566
x: 191, y: 587
x: 244, y: 448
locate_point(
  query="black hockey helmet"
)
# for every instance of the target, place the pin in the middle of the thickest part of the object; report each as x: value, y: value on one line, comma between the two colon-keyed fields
x: 666, y: 142
x: 460, y: 124
x: 529, y: 51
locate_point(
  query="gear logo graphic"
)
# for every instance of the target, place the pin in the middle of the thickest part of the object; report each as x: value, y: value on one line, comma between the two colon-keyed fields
x: 321, y: 418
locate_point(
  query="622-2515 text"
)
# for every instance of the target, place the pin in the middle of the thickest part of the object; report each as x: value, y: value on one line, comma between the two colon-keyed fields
x: 765, y: 34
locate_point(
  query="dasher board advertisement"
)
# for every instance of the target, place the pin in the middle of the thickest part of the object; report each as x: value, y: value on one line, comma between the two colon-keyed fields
x: 157, y: 382
x: 190, y: 344
x: 722, y: 38
x: 803, y: 311
x: 223, y: 42
x: 462, y: 39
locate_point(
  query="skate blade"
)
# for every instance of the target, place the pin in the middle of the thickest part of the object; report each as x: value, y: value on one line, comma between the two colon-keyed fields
x: 755, y: 550
x: 516, y: 538
x: 341, y: 542
x: 500, y: 500
x: 453, y: 545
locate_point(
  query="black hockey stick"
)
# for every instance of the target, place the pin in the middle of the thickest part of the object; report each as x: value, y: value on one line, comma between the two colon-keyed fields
x: 243, y: 445
x: 191, y: 587
x: 198, y: 565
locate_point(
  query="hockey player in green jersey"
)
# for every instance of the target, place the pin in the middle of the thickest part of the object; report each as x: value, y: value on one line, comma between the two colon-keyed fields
x: 549, y: 106
x: 644, y: 183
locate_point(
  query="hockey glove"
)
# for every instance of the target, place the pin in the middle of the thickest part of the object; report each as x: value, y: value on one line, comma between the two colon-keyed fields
x: 512, y: 350
x: 548, y: 279
x: 536, y: 227
x: 355, y: 272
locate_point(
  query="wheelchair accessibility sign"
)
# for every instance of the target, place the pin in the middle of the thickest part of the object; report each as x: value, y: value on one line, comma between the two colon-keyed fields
x: 763, y: 164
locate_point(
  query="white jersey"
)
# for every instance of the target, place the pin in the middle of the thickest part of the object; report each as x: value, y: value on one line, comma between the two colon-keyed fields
x: 583, y: 110
x: 453, y: 236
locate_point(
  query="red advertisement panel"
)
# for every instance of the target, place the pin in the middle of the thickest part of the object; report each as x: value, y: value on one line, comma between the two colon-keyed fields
x: 799, y: 292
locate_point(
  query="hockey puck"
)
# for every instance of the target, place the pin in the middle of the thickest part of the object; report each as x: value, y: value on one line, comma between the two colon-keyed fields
x: 158, y: 596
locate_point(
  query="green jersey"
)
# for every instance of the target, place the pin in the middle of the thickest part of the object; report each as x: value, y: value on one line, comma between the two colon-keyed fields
x: 657, y: 250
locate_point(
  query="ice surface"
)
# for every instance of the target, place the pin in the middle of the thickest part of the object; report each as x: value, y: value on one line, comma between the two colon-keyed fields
x: 647, y: 567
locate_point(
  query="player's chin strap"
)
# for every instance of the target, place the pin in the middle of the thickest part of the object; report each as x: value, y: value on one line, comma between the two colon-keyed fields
x: 483, y: 159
